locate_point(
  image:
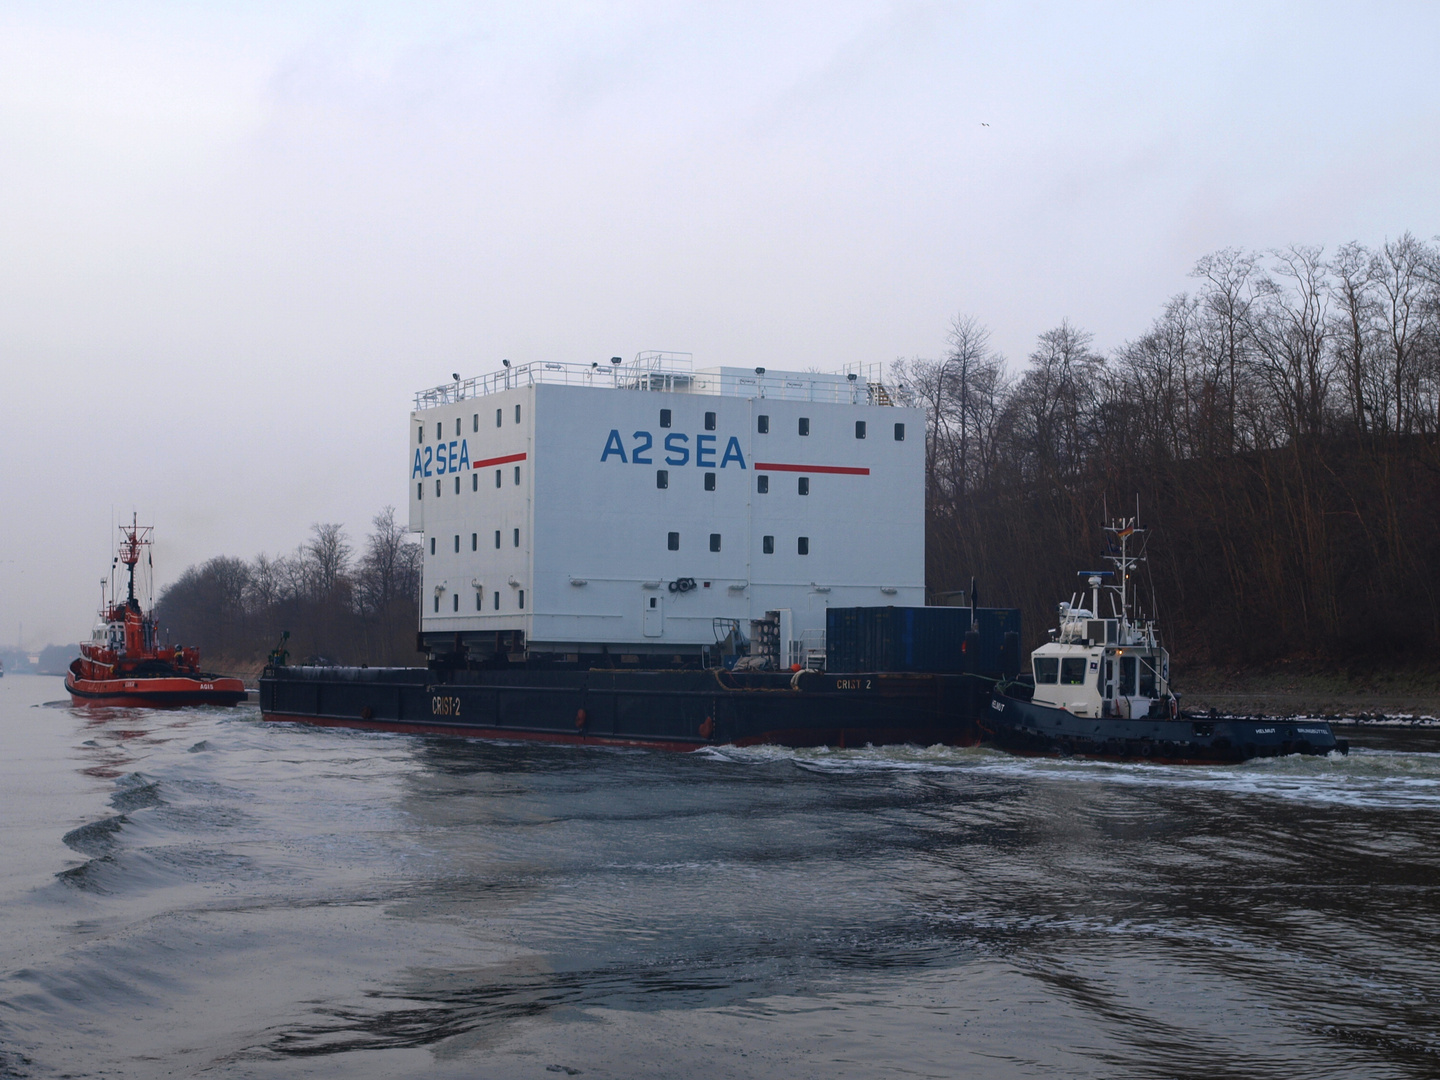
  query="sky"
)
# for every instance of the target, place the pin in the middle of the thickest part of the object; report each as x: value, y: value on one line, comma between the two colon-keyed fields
x: 235, y: 239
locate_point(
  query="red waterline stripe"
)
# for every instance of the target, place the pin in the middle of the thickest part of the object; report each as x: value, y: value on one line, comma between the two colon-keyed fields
x: 497, y: 461
x: 776, y: 467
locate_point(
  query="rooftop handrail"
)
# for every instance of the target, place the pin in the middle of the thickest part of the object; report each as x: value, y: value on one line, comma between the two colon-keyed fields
x: 671, y: 372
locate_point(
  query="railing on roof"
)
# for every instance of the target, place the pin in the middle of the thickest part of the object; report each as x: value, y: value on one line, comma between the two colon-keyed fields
x: 672, y: 372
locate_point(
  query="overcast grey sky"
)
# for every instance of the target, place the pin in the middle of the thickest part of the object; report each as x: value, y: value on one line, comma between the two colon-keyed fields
x: 237, y: 237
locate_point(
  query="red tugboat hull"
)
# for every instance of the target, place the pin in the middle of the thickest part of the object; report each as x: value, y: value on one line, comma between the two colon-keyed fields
x: 156, y: 692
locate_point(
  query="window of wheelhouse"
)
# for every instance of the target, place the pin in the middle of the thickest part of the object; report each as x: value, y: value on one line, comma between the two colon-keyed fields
x: 1047, y: 669
x: 1128, y: 672
x: 1072, y: 670
x: 1147, y: 676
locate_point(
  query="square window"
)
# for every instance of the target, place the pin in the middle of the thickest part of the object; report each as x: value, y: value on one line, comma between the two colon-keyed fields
x: 709, y: 421
x: 457, y: 543
x: 762, y: 484
x: 899, y: 432
x: 859, y: 429
x: 672, y: 541
x: 804, y: 425
x: 517, y: 474
x: 767, y: 545
x: 762, y: 424
x: 497, y: 539
x: 499, y: 416
x: 714, y: 541
x: 662, y: 478
x: 517, y: 538
x: 497, y: 477
x: 804, y: 485
x: 709, y: 481
x: 517, y: 420
x: 802, y: 545
x: 475, y: 481
x: 474, y: 541
x: 432, y: 545
x: 664, y: 417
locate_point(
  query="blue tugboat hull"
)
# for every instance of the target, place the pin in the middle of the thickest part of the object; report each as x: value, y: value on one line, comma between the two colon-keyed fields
x: 1023, y: 727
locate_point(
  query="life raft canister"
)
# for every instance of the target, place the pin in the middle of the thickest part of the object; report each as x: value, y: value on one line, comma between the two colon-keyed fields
x: 707, y: 728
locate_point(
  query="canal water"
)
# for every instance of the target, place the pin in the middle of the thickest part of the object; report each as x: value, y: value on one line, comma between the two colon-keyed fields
x: 199, y: 893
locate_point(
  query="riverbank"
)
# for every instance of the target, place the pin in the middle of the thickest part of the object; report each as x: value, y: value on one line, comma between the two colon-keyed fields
x: 1311, y: 690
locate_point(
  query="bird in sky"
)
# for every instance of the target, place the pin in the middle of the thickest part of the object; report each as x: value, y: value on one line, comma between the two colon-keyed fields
x: 983, y: 124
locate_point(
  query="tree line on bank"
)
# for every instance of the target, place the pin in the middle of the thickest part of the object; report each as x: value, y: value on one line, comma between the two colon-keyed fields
x: 1280, y: 426
x: 337, y: 607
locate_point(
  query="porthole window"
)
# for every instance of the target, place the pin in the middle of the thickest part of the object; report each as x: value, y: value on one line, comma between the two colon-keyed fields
x: 804, y: 485
x: 762, y: 484
x: 859, y: 429
x: 899, y: 432
x: 672, y: 541
x: 802, y: 545
x: 709, y: 481
x: 709, y: 421
x: 762, y: 424
x: 767, y: 545
x: 714, y: 541
x: 804, y: 425
x: 662, y: 478
x: 664, y: 417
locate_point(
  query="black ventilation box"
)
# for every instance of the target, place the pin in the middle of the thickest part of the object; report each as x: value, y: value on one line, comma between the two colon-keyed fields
x: 936, y: 639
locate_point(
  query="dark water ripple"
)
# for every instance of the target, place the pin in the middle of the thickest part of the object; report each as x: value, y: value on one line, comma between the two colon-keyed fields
x: 200, y: 894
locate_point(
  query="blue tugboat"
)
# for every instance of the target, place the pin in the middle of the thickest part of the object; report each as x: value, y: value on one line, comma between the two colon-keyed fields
x: 1100, y: 688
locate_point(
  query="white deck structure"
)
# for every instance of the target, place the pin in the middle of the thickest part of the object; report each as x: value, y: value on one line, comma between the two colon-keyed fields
x: 623, y: 508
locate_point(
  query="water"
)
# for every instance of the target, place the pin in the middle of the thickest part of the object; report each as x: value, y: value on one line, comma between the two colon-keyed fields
x: 202, y: 894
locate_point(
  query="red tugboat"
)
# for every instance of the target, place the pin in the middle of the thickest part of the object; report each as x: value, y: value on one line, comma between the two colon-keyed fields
x: 123, y: 663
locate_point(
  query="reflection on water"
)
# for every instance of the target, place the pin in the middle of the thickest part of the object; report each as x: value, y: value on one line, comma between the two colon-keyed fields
x: 201, y: 892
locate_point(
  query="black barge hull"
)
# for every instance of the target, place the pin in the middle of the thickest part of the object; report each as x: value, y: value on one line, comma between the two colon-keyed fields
x: 1023, y: 727
x: 666, y: 709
